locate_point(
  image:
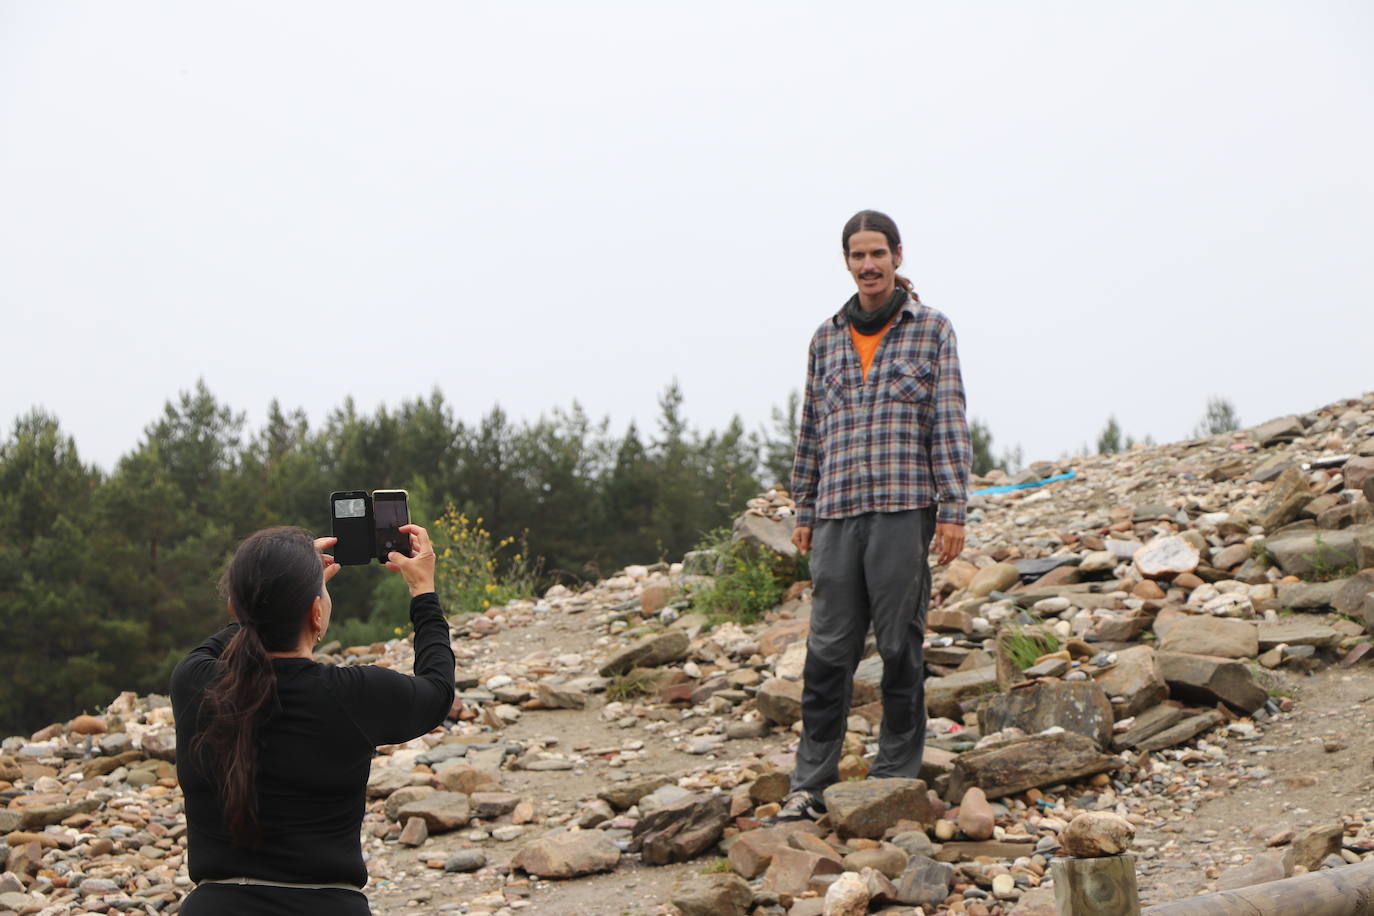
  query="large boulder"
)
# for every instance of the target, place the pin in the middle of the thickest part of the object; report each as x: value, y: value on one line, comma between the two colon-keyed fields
x: 1208, y: 678
x: 649, y: 652
x: 568, y: 855
x: 683, y: 829
x: 1080, y: 707
x: 1025, y: 763
x: 867, y: 808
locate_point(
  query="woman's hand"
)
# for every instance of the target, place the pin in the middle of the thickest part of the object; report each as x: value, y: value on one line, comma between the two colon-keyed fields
x: 418, y: 568
x: 331, y: 566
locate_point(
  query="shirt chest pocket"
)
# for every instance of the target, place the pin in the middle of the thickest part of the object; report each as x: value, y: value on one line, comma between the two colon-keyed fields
x: 911, y: 381
x: 834, y: 391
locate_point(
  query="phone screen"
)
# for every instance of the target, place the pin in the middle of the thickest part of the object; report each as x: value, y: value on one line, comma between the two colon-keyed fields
x: 390, y: 511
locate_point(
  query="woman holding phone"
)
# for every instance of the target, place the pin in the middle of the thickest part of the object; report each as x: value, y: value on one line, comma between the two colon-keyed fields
x: 274, y: 749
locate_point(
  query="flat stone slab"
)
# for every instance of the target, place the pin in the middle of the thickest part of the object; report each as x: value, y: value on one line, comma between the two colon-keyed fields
x: 1149, y: 723
x: 1025, y: 763
x: 1183, y: 731
x: 1296, y: 633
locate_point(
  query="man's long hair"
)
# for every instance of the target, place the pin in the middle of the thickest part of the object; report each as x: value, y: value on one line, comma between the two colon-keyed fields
x: 872, y: 220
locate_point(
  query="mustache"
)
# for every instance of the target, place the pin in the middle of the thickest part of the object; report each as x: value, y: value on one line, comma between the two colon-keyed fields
x: 870, y: 275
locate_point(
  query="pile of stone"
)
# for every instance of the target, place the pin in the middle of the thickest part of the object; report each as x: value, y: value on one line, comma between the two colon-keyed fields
x: 1103, y: 645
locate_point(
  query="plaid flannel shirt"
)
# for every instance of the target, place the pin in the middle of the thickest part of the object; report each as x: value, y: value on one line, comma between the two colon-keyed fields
x: 897, y: 441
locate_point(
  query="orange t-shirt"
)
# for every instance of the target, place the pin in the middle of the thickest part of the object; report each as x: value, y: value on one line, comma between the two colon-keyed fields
x: 867, y: 344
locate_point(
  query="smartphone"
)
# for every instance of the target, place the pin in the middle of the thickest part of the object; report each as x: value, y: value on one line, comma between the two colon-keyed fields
x: 391, y: 511
x: 351, y: 511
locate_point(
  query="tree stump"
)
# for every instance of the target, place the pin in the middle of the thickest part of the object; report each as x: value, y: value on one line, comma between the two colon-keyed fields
x: 1102, y: 886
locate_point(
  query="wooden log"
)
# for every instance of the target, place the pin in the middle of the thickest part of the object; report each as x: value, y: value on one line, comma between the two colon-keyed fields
x: 1347, y: 891
x: 1022, y: 763
x: 1095, y: 887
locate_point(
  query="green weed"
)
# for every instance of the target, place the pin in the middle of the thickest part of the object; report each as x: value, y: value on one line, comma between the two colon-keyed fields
x: 1024, y: 644
x: 629, y: 685
x: 747, y: 582
x: 1323, y: 569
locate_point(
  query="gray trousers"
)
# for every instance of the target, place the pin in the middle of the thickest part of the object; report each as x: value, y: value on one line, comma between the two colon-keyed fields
x: 869, y: 569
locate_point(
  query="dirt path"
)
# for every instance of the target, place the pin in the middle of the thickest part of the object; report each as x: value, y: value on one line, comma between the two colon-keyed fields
x: 1306, y: 767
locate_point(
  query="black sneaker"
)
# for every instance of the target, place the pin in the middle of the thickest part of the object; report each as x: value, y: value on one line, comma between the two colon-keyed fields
x: 800, y: 806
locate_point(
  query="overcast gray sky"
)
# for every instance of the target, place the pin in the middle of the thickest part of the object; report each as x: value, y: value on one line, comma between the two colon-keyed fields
x: 1124, y: 208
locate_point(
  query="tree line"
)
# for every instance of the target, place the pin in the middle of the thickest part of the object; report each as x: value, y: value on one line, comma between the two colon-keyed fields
x: 106, y: 579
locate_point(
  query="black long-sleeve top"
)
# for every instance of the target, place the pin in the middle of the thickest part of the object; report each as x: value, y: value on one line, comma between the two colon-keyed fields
x: 315, y: 749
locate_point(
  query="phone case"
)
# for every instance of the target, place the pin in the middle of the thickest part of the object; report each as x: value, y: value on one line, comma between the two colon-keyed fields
x: 350, y: 512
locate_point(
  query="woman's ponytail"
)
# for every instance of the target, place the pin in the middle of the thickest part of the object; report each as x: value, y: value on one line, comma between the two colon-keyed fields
x: 271, y: 582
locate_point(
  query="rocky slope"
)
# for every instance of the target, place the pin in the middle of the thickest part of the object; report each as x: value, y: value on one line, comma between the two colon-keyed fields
x: 1128, y: 641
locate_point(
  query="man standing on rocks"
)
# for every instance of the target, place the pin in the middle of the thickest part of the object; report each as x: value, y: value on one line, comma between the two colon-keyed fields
x: 882, y: 465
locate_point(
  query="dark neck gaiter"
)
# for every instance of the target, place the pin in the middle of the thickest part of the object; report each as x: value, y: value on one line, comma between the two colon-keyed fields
x: 870, y: 323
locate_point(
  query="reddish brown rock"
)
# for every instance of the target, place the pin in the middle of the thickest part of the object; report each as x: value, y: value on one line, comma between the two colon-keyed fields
x: 792, y: 870
x: 976, y: 818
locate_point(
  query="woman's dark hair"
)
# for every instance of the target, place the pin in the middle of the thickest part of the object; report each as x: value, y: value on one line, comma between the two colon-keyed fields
x: 271, y: 583
x: 872, y: 220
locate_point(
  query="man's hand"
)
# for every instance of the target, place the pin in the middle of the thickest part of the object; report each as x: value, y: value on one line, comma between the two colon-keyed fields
x: 801, y: 537
x: 418, y: 568
x: 949, y: 541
